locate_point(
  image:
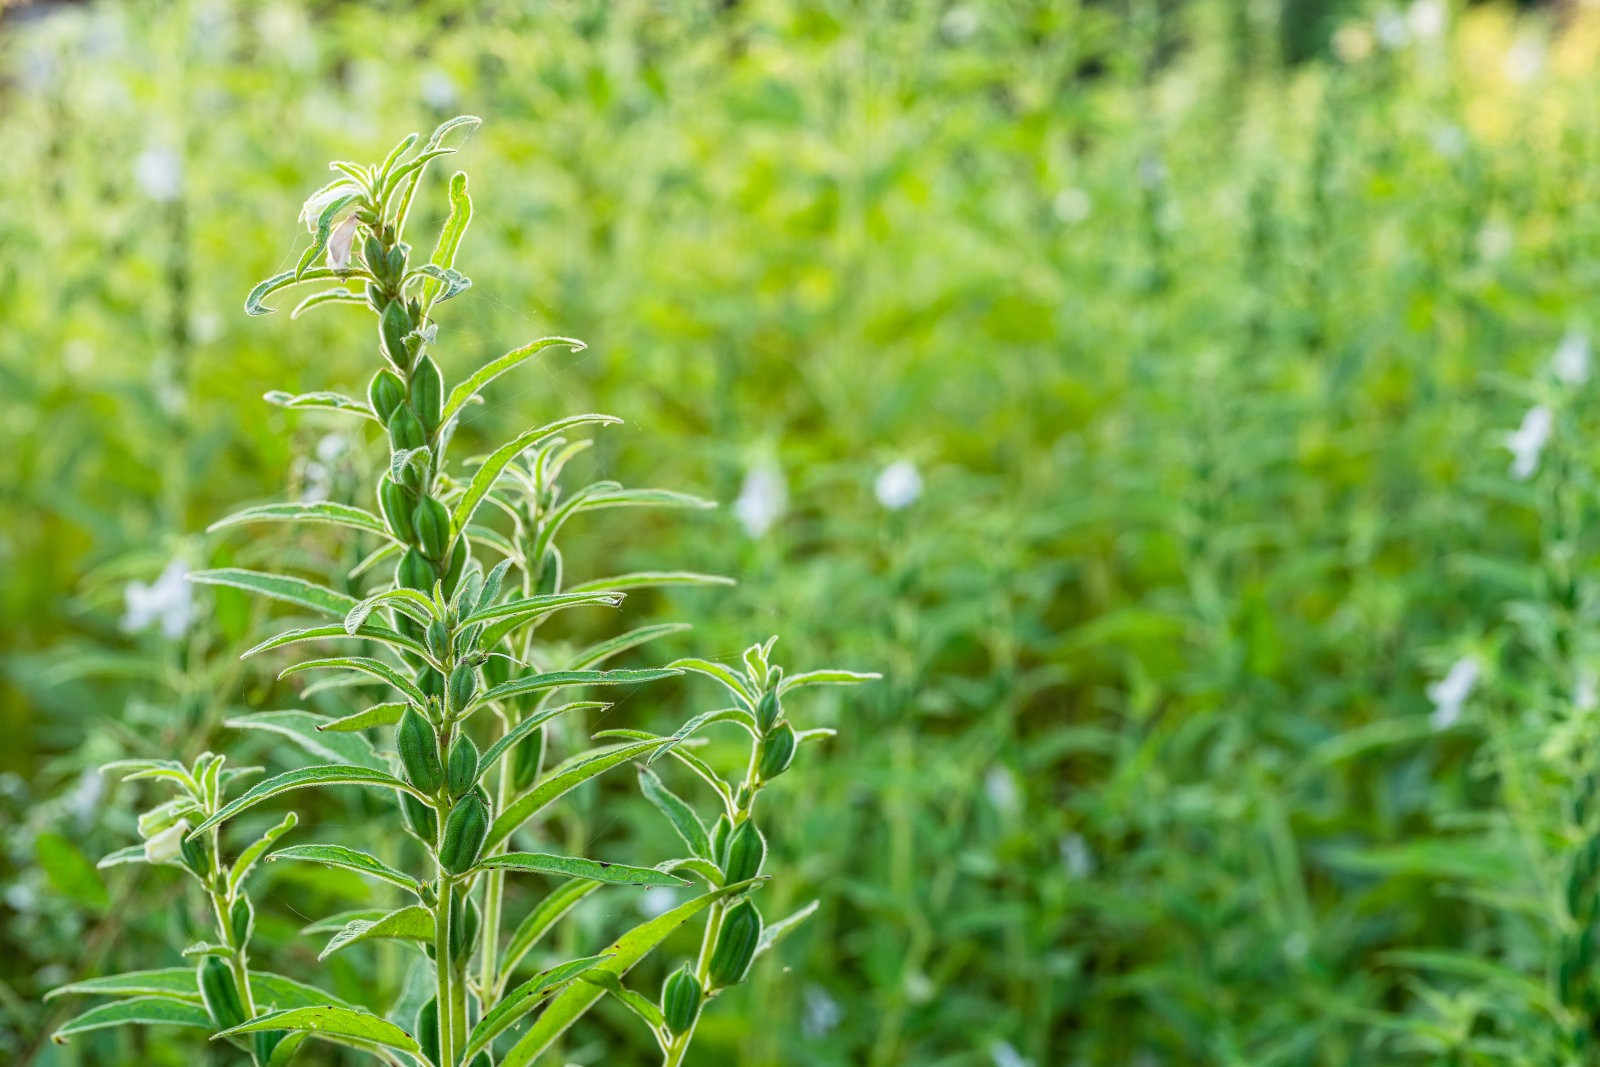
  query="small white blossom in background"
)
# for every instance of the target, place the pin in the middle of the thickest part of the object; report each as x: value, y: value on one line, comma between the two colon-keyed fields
x: 1352, y: 42
x: 1391, y: 29
x: 899, y: 485
x: 1426, y: 18
x: 657, y: 900
x: 159, y: 172
x: 919, y: 987
x: 1451, y: 691
x: 1075, y: 856
x: 1297, y: 946
x: 1586, y: 690
x: 1005, y: 1054
x: 1571, y: 360
x: 763, y: 498
x: 85, y: 796
x: 165, y: 846
x: 286, y: 28
x: 1000, y: 786
x: 315, y: 476
x: 1495, y: 241
x: 959, y: 24
x: 1529, y: 441
x: 1448, y: 139
x: 205, y: 326
x: 438, y: 91
x: 821, y: 1014
x: 169, y: 600
x: 1525, y: 60
x: 1071, y: 206
x: 1152, y: 171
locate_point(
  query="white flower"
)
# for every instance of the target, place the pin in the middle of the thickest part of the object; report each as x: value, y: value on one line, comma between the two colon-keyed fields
x: 822, y: 1012
x: 1352, y: 42
x: 762, y: 499
x: 1426, y: 18
x: 169, y: 600
x: 1005, y: 1054
x: 317, y: 202
x: 1450, y: 692
x: 1586, y: 691
x: 1529, y: 441
x: 1525, y: 60
x: 1449, y: 140
x: 959, y: 24
x: 339, y: 242
x: 159, y: 172
x: 899, y: 485
x: 1571, y: 361
x: 1495, y: 240
x: 1075, y: 856
x: 85, y: 796
x: 165, y: 846
x: 331, y: 446
x: 1000, y: 786
x: 1072, y: 206
x: 438, y: 91
x: 1391, y: 29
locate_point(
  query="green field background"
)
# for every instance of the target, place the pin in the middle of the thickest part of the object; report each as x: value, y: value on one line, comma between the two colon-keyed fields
x: 1202, y: 324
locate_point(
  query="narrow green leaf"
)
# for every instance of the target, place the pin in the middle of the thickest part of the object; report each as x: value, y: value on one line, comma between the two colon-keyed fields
x: 332, y: 924
x: 349, y: 859
x: 463, y: 393
x: 378, y: 715
x: 364, y: 665
x: 280, y: 587
x: 529, y: 607
x: 450, y: 235
x: 830, y: 677
x: 320, y: 401
x: 130, y: 854
x: 578, y: 867
x: 523, y: 999
x: 626, y: 951
x: 305, y: 777
x: 330, y: 1019
x: 729, y: 679
x: 489, y: 473
x: 650, y: 580
x: 172, y: 983
x: 369, y: 630
x: 144, y: 1011
x: 678, y: 813
x: 533, y: 683
x: 526, y: 727
x: 604, y: 650
x: 776, y: 932
x: 644, y: 1008
x: 412, y: 923
x: 327, y: 296
x: 542, y: 918
x: 409, y: 601
x: 561, y: 780
x: 256, y: 849
x: 275, y: 991
x: 320, y: 511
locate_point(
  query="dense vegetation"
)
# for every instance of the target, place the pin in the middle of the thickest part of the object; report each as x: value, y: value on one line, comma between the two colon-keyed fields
x: 1185, y: 407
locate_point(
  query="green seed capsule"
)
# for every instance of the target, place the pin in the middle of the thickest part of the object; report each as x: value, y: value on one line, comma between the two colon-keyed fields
x: 219, y: 993
x: 415, y: 572
x: 777, y: 751
x: 464, y: 830
x: 432, y: 523
x: 419, y: 752
x: 736, y: 945
x: 680, y: 999
x: 393, y: 328
x: 461, y: 768
x: 405, y: 432
x: 420, y: 817
x: 428, y: 1030
x: 527, y: 758
x: 265, y: 1041
x: 719, y: 836
x: 747, y: 851
x: 242, y: 920
x: 396, y: 502
x: 463, y: 686
x: 194, y: 855
x: 385, y: 393
x: 768, y: 710
x: 427, y: 393
x: 464, y: 922
x: 431, y: 682
x: 550, y: 574
x: 438, y: 639
x: 396, y: 263
x: 458, y: 563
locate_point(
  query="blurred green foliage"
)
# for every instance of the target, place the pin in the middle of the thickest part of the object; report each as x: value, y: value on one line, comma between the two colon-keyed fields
x: 1202, y: 324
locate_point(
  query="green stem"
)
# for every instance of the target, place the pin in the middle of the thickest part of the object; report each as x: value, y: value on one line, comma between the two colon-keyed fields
x: 442, y: 974
x: 489, y: 984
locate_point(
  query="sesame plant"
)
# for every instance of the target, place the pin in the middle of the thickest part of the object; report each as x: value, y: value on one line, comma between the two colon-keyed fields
x: 471, y: 708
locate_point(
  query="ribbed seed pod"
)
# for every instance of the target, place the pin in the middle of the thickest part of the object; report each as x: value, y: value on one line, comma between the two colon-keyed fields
x: 464, y: 922
x: 420, y: 817
x: 242, y: 920
x: 719, y: 837
x: 431, y: 682
x: 768, y: 709
x: 736, y: 945
x: 419, y: 752
x: 393, y: 327
x: 428, y: 1030
x: 463, y: 686
x: 747, y: 851
x: 427, y: 393
x: 396, y: 265
x: 680, y: 999
x: 458, y: 563
x: 415, y: 572
x: 377, y: 259
x: 265, y: 1041
x: 193, y: 852
x: 405, y: 432
x: 385, y: 393
x: 464, y: 830
x: 396, y: 502
x: 438, y: 639
x: 219, y: 993
x: 461, y: 768
x: 526, y: 760
x: 777, y: 751
x: 432, y: 523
